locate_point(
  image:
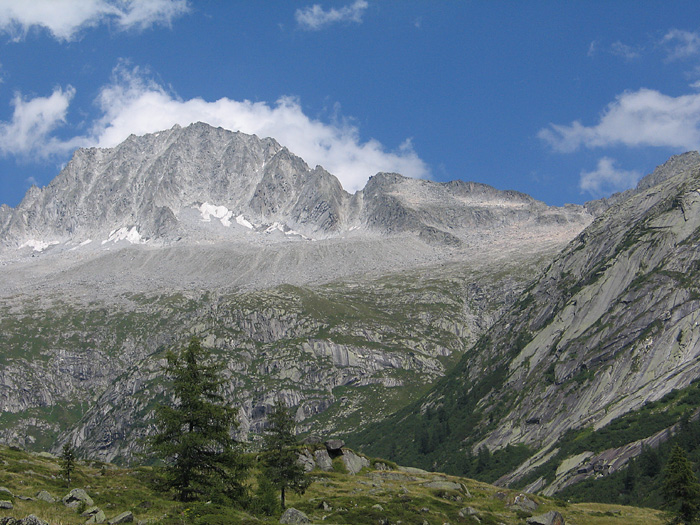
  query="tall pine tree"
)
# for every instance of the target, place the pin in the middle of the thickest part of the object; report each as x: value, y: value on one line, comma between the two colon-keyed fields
x: 280, y: 456
x: 681, y: 488
x: 194, y: 434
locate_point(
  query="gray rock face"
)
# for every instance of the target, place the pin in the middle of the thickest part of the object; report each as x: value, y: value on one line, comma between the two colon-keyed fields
x: 353, y: 463
x: 4, y: 504
x: 292, y: 516
x: 550, y: 518
x: 124, y: 517
x: 43, y: 495
x: 323, y: 460
x: 77, y: 496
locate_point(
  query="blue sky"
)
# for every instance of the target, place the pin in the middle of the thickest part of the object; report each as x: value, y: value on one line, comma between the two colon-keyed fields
x: 565, y: 101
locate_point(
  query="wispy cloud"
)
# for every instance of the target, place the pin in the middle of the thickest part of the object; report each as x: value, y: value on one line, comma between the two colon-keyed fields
x: 681, y: 44
x: 639, y: 118
x: 607, y: 179
x: 64, y: 19
x: 625, y: 51
x: 33, y: 121
x: 133, y: 103
x: 315, y: 17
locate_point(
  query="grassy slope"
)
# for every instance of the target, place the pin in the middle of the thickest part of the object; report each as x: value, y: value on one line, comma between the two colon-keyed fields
x: 401, y: 495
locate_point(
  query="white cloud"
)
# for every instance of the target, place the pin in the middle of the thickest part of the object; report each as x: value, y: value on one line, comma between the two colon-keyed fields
x: 625, y: 51
x: 315, y: 17
x: 64, y: 19
x: 607, y: 179
x: 639, y: 118
x: 132, y: 103
x: 681, y: 44
x: 28, y: 133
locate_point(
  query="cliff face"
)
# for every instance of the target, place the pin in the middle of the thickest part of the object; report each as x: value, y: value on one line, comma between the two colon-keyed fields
x: 610, y: 325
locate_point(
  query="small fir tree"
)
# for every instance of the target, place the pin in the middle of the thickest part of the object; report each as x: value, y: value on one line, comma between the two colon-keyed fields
x: 265, y: 500
x: 280, y: 457
x: 67, y: 462
x: 681, y: 488
x: 194, y: 435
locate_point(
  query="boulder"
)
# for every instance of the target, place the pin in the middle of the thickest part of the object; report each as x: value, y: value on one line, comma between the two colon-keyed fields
x: 9, y: 520
x: 6, y: 493
x: 442, y: 485
x: 97, y: 517
x: 124, y: 517
x: 522, y: 502
x: 32, y: 520
x: 43, y: 495
x: 75, y: 497
x: 334, y: 447
x: 550, y: 518
x: 467, y: 511
x: 311, y: 439
x: 4, y: 504
x: 353, y: 462
x: 306, y: 461
x: 323, y: 460
x: 292, y: 516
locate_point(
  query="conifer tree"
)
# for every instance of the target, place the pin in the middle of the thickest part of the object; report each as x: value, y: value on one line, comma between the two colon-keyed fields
x: 194, y: 435
x: 67, y: 462
x: 280, y: 463
x: 681, y: 488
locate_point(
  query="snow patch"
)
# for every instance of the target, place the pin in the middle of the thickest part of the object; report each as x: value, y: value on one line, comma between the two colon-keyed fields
x: 243, y: 222
x: 125, y: 234
x: 38, y: 246
x: 218, y: 212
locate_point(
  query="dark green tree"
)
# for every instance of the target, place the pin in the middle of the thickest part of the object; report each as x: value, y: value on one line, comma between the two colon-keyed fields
x: 265, y: 499
x: 194, y: 434
x: 680, y: 487
x: 280, y: 456
x: 67, y: 462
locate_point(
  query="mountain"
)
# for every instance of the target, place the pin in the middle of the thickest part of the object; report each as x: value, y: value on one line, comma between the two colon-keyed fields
x: 346, y: 306
x: 595, y: 361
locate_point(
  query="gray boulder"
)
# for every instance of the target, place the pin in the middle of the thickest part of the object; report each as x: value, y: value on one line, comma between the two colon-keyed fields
x: 32, y: 520
x: 43, y: 495
x: 442, y: 485
x: 323, y: 460
x: 334, y: 446
x: 353, y: 462
x: 97, y: 517
x: 75, y: 497
x: 550, y: 518
x: 467, y: 511
x: 9, y: 520
x: 522, y: 502
x: 6, y: 493
x: 293, y: 516
x: 4, y: 504
x: 124, y: 517
x: 306, y: 461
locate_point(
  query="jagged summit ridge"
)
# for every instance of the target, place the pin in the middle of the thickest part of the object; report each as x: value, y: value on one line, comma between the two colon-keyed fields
x: 202, y: 182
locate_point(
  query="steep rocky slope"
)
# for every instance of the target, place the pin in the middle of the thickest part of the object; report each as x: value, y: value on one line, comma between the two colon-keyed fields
x: 611, y: 325
x: 348, y: 306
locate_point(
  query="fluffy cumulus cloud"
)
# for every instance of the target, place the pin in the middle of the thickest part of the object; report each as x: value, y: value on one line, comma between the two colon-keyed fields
x: 607, y: 179
x: 315, y: 17
x: 64, y: 19
x: 134, y: 104
x: 640, y: 118
x: 33, y: 121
